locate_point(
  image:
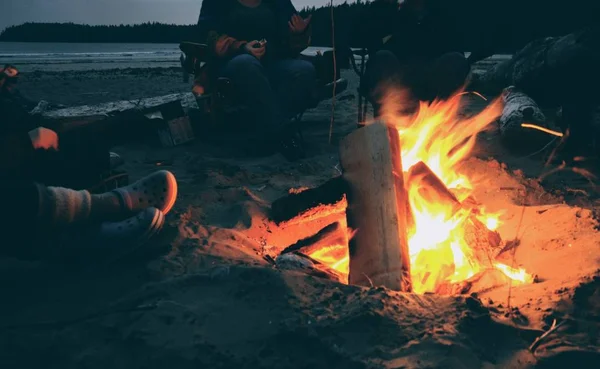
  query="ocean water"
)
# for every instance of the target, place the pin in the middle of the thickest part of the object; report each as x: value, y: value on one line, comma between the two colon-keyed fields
x: 37, y: 56
x: 74, y: 56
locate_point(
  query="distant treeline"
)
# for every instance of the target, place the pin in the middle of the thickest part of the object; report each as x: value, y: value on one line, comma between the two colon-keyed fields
x: 70, y: 32
x: 507, y: 24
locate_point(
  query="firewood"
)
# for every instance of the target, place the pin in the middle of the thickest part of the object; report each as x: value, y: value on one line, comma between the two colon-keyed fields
x: 311, y: 204
x: 378, y: 206
x: 484, y: 242
x: 299, y: 262
x: 431, y: 187
x: 187, y: 101
x: 519, y: 109
x: 333, y: 234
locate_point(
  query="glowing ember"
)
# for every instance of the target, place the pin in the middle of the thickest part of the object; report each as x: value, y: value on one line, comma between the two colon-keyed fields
x: 439, y: 254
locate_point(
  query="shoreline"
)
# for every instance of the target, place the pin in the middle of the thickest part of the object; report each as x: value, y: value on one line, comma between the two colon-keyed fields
x: 73, y: 88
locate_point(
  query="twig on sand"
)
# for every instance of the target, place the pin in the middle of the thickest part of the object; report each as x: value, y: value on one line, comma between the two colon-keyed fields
x: 369, y: 279
x: 538, y: 341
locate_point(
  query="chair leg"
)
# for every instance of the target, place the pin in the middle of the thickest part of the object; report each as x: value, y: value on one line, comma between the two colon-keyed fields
x: 359, y: 119
x: 298, y: 127
x: 362, y: 100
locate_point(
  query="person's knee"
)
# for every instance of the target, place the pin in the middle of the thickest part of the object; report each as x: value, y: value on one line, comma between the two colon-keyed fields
x: 305, y: 72
x: 455, y: 63
x: 384, y: 57
x: 243, y: 66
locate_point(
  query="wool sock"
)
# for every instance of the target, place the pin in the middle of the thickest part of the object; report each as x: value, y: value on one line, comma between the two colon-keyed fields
x: 63, y: 206
x: 108, y: 207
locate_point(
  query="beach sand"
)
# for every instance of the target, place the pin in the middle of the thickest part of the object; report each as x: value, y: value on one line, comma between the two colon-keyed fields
x: 202, y: 295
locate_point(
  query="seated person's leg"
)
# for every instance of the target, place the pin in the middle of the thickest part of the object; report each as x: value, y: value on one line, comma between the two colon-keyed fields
x: 253, y: 89
x: 445, y: 76
x: 294, y: 82
x: 126, y: 215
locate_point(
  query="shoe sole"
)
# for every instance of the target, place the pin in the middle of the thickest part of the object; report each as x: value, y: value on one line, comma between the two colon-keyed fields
x: 155, y: 227
x: 170, y: 202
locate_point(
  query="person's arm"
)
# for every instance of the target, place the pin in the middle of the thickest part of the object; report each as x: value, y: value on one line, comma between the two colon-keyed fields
x: 292, y: 43
x: 212, y: 15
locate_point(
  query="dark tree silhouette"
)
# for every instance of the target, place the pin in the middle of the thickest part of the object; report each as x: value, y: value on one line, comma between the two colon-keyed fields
x: 504, y: 25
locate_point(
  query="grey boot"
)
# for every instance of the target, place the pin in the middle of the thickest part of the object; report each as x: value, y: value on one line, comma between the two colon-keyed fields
x: 158, y: 190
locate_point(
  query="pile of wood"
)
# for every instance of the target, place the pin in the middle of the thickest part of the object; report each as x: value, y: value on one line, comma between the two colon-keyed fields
x: 374, y: 199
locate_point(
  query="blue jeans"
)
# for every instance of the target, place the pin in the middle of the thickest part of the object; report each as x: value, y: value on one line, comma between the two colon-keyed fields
x: 275, y: 91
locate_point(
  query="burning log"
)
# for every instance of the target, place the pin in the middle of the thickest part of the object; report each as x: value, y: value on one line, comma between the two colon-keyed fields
x: 371, y: 163
x: 435, y: 191
x: 431, y: 186
x: 311, y: 204
x: 331, y: 236
x: 296, y: 261
x: 481, y: 239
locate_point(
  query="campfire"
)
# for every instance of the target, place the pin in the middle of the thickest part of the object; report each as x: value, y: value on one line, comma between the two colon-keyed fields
x: 412, y: 222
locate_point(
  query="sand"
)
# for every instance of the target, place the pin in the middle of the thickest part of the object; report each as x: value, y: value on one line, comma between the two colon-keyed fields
x: 202, y: 296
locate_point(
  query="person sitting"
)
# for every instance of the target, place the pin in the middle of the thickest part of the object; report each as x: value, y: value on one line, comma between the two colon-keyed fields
x: 256, y: 44
x: 84, y: 153
x: 35, y: 171
x: 45, y: 222
x: 413, y: 50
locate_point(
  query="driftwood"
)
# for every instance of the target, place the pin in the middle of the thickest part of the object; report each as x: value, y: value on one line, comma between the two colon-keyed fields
x: 548, y: 69
x: 187, y: 101
x: 370, y: 159
x: 311, y: 204
x: 519, y: 109
x: 334, y: 235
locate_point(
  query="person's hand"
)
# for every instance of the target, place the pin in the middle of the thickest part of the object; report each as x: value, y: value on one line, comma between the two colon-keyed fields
x: 256, y: 49
x: 298, y: 25
x: 44, y: 138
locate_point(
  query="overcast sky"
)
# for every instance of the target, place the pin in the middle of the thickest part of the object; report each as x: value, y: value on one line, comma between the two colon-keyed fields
x: 109, y: 11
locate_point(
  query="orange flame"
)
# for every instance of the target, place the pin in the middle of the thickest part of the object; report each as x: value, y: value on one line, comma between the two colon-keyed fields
x: 438, y: 136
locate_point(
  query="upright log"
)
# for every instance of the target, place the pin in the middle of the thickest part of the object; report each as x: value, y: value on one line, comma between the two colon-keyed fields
x: 377, y: 208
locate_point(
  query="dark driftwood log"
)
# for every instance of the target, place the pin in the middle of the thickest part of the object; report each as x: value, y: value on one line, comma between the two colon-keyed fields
x: 371, y: 162
x: 547, y: 69
x: 187, y: 101
x: 311, y: 204
x: 519, y: 108
x: 333, y: 234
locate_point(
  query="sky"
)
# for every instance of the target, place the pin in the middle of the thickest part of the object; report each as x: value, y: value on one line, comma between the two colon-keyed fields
x: 109, y: 11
